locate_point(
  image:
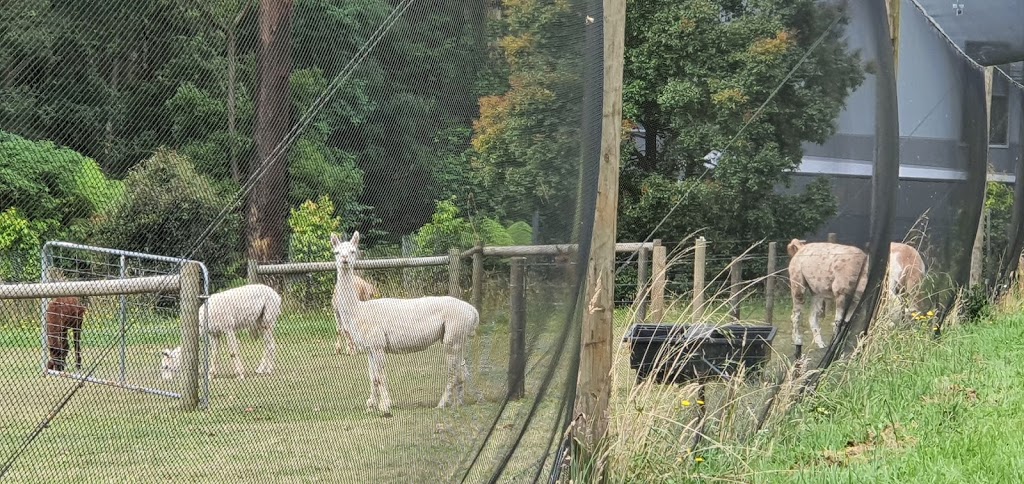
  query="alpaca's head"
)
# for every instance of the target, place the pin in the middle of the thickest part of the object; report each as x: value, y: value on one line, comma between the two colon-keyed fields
x: 170, y: 363
x: 345, y: 252
x: 794, y: 246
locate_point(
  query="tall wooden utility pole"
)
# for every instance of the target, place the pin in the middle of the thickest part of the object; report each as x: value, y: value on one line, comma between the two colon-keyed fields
x: 978, y: 251
x: 893, y: 8
x: 596, y: 342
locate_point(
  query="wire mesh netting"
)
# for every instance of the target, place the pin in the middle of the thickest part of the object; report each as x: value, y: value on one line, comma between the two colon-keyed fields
x: 347, y: 240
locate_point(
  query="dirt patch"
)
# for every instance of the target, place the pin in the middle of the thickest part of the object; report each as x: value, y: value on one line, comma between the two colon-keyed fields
x: 892, y: 436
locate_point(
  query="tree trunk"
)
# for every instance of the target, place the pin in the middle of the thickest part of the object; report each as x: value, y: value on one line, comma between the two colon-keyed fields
x: 649, y: 161
x: 268, y: 201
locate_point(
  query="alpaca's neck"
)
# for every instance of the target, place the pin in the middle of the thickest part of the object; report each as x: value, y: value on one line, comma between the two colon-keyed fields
x: 345, y: 297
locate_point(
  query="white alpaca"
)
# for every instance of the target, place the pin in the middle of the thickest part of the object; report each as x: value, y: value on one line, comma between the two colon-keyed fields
x: 255, y: 307
x: 365, y: 291
x: 390, y: 325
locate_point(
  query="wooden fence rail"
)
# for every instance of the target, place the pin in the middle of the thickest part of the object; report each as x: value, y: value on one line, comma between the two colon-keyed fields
x: 112, y: 287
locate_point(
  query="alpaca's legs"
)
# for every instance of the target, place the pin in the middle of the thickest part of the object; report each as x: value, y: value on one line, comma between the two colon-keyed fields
x: 380, y: 382
x: 798, y: 309
x: 464, y: 377
x: 817, y: 312
x: 371, y: 403
x: 343, y: 338
x: 213, y: 357
x: 337, y: 342
x: 78, y: 348
x: 236, y: 356
x: 351, y: 343
x: 840, y: 310
x: 454, y: 366
x: 269, y: 352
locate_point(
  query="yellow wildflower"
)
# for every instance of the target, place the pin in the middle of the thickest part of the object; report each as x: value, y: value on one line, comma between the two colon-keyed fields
x: 686, y: 403
x: 698, y: 459
x: 700, y: 402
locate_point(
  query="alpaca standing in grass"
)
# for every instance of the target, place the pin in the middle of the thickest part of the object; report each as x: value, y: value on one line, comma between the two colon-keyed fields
x: 829, y: 272
x: 63, y: 324
x: 906, y: 271
x: 389, y: 325
x: 255, y: 307
x: 365, y: 291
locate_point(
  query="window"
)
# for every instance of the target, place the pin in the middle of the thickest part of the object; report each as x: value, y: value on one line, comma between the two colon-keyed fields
x: 999, y: 113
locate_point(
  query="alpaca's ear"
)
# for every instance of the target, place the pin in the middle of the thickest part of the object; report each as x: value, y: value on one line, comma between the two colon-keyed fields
x: 335, y: 241
x: 355, y: 238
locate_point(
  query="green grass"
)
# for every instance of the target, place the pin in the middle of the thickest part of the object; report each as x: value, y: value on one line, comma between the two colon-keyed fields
x: 909, y: 409
x: 957, y: 408
x: 306, y: 422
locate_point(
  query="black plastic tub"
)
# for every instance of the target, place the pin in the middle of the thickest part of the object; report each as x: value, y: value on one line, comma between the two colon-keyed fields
x: 678, y: 353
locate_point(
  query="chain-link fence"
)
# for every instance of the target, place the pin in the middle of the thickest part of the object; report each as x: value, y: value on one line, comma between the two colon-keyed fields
x: 182, y: 185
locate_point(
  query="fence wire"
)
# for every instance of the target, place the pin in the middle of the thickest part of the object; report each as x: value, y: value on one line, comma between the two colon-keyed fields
x: 245, y: 134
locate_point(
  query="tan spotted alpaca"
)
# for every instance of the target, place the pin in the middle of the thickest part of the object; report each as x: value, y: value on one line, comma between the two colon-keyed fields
x: 906, y: 271
x: 829, y: 272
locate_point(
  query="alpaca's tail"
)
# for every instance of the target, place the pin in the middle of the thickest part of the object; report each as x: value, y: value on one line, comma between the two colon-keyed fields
x: 476, y: 322
x: 270, y: 310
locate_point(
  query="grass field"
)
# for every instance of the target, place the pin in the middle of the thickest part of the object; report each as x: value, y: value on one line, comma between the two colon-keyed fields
x: 907, y: 408
x: 305, y: 422
x: 915, y: 411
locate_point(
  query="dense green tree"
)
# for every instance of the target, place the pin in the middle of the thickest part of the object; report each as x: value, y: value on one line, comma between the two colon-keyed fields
x: 526, y: 141
x: 52, y: 185
x: 696, y: 72
x: 402, y: 111
x: 166, y: 207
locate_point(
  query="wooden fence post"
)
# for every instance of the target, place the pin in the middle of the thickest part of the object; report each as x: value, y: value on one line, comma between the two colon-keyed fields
x: 252, y: 275
x: 643, y: 287
x: 832, y: 238
x: 191, y: 288
x: 478, y: 277
x: 454, y: 271
x: 769, y: 284
x: 658, y: 267
x: 735, y: 287
x: 517, y: 330
x: 699, y: 258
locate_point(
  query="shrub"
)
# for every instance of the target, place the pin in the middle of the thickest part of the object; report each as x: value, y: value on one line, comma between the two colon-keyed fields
x: 448, y: 229
x: 311, y: 226
x: 52, y: 186
x: 167, y: 206
x: 20, y: 245
x: 445, y: 230
x: 521, y: 233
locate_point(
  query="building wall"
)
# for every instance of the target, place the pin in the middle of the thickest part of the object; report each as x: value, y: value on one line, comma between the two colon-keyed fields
x: 933, y: 157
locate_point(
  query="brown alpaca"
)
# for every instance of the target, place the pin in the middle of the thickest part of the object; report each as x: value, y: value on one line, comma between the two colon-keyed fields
x: 63, y: 320
x: 829, y: 272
